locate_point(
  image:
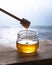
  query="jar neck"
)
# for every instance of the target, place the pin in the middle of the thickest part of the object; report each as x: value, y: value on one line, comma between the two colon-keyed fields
x: 27, y: 34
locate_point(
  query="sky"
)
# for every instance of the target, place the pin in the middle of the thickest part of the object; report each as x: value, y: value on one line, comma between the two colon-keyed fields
x: 38, y: 12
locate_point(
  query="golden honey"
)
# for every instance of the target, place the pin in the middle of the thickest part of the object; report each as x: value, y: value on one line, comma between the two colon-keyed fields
x: 28, y: 46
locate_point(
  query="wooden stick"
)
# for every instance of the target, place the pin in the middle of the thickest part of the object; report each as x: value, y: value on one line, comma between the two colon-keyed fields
x: 10, y: 14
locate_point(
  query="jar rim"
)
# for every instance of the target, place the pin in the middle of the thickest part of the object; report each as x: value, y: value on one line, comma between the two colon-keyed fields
x: 30, y: 31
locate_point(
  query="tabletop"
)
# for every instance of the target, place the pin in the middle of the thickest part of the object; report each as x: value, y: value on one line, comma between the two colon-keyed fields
x: 10, y: 56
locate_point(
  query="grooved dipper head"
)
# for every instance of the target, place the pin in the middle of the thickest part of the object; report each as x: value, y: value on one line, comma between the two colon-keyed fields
x: 25, y: 23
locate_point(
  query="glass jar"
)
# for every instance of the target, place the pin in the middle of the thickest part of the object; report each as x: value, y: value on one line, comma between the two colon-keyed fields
x: 27, y: 41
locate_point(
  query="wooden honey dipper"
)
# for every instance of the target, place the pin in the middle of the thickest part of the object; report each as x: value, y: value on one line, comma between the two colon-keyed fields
x: 24, y: 22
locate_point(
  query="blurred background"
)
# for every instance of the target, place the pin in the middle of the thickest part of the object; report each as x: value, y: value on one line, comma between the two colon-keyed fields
x: 38, y: 12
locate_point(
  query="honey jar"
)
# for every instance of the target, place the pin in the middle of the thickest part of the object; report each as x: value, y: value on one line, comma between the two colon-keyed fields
x: 27, y: 41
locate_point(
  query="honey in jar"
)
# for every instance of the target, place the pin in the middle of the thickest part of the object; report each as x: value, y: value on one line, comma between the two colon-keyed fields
x: 27, y: 41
